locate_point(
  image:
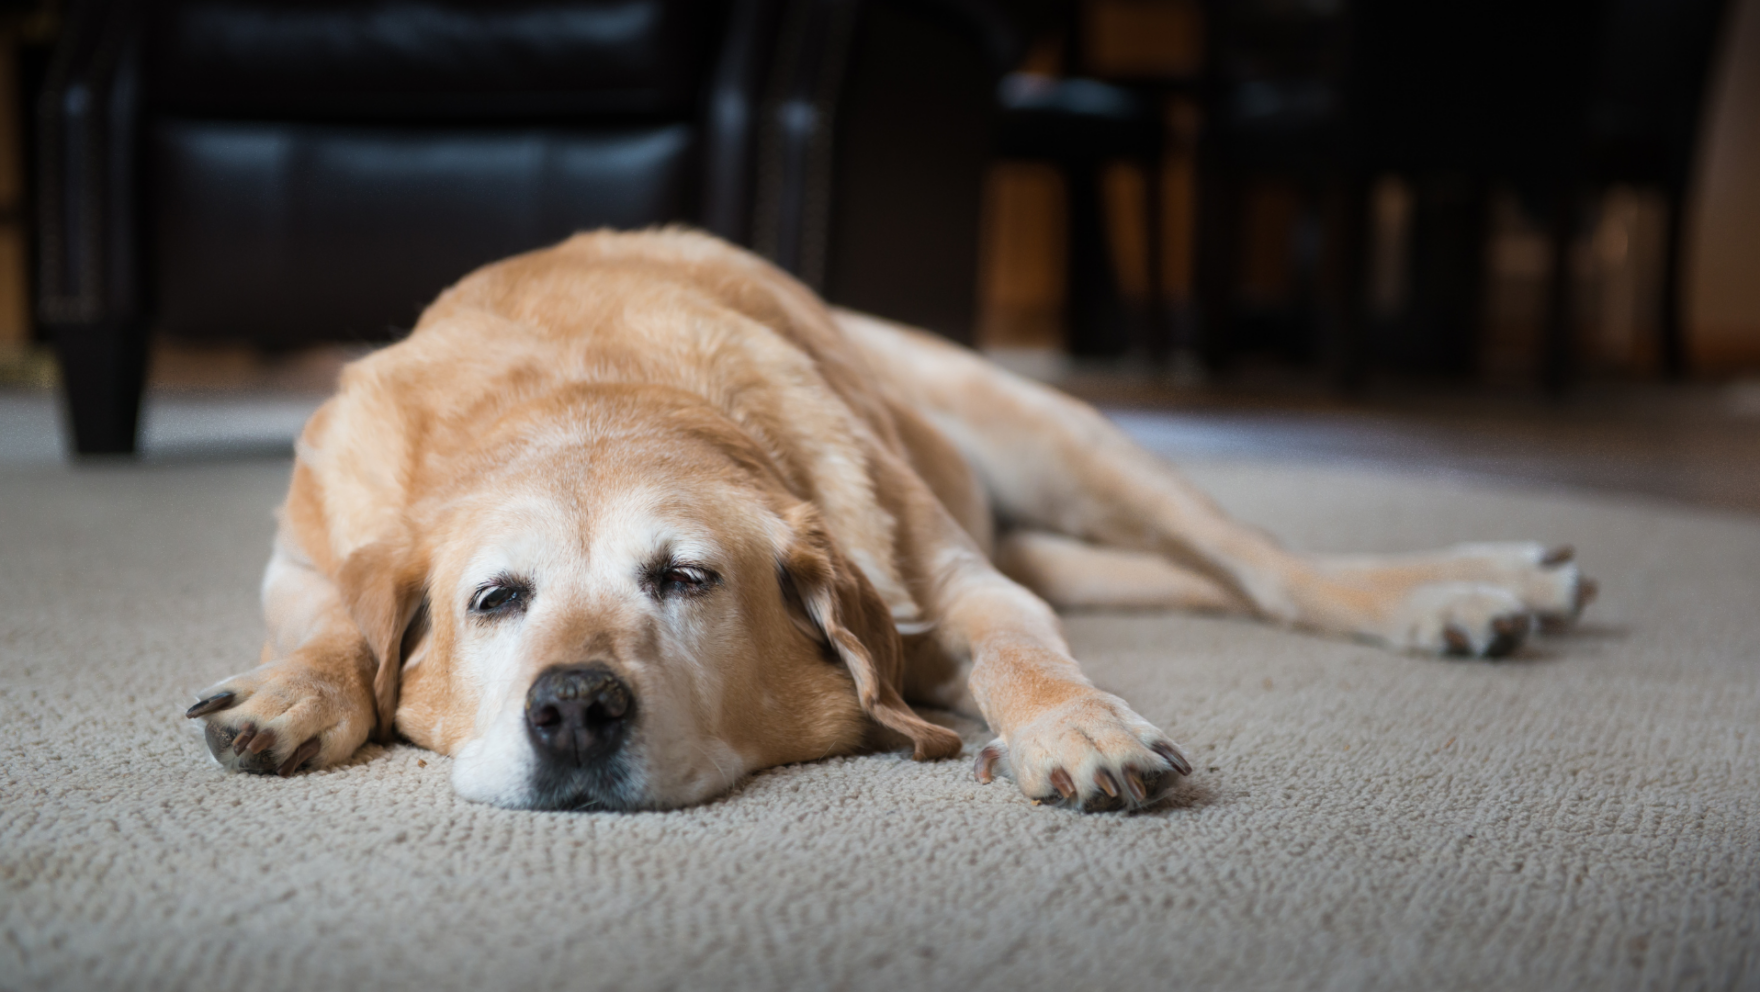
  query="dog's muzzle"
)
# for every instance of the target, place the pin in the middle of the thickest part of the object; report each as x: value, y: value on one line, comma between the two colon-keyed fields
x: 577, y: 716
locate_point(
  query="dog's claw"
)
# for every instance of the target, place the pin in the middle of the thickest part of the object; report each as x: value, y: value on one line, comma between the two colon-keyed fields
x: 1509, y: 632
x: 261, y: 741
x: 218, y: 701
x: 1133, y: 784
x: 246, y: 734
x: 1458, y: 641
x: 1581, y: 597
x: 1061, y: 781
x: 1558, y: 555
x: 1172, y: 756
x: 300, y: 756
x: 985, y: 766
x: 1106, y: 782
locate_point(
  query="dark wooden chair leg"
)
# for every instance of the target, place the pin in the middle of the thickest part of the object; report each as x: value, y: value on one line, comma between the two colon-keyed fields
x: 1673, y: 343
x: 1348, y: 347
x: 1095, y: 307
x: 1559, y: 347
x: 1218, y: 220
x: 103, y: 371
x: 1158, y: 327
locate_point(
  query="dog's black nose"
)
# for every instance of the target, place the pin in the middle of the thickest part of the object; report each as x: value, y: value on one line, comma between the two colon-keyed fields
x: 577, y: 714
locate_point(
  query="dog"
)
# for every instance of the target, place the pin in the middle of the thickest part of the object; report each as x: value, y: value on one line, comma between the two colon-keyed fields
x: 628, y: 518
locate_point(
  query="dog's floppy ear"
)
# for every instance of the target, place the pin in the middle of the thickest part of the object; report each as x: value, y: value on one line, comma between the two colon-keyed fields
x: 383, y: 585
x: 847, y: 611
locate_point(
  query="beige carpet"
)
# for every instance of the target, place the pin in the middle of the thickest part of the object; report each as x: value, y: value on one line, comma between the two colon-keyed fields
x: 1584, y: 816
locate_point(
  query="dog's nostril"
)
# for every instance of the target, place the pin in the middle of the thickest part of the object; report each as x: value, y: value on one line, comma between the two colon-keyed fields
x: 578, y: 714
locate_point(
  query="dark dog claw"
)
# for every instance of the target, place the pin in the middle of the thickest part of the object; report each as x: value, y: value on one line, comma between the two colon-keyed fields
x: 1557, y: 556
x: 1172, y: 756
x: 1134, y: 785
x: 300, y: 756
x: 246, y: 734
x: 985, y: 766
x: 1061, y: 781
x: 218, y: 701
x: 1509, y: 633
x: 1107, y: 783
x: 263, y: 741
x: 1458, y: 641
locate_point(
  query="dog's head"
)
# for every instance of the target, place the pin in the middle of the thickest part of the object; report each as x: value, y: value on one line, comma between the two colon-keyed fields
x: 617, y: 604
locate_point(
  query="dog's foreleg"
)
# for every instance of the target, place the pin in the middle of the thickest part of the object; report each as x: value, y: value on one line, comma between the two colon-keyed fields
x: 1058, y: 736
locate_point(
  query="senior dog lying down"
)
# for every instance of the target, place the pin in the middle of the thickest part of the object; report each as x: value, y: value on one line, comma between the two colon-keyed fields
x: 628, y: 518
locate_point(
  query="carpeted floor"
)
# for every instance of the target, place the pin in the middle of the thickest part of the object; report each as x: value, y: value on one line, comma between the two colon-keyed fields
x: 1586, y: 815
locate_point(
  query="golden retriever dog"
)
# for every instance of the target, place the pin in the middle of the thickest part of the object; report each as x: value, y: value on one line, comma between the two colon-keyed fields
x: 628, y: 518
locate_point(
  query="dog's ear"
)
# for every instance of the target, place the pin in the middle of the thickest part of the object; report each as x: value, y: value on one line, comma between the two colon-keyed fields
x: 844, y: 609
x: 383, y: 585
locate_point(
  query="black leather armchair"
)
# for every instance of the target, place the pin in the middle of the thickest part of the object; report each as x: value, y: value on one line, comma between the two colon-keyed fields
x: 283, y: 173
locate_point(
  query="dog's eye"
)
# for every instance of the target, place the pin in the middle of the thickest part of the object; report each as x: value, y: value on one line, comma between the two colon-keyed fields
x: 498, y: 598
x: 681, y: 580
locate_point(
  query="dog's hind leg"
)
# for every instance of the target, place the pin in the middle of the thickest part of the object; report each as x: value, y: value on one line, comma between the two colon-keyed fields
x: 1049, y: 462
x: 1073, y: 574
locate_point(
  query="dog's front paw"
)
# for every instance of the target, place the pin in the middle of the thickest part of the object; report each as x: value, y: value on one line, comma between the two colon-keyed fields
x: 1092, y: 752
x: 282, y: 717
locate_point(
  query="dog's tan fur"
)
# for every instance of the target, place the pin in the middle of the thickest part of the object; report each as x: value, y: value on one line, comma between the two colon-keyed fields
x: 574, y: 414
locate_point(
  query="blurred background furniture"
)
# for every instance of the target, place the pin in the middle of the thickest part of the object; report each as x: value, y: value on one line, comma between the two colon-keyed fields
x: 1273, y: 151
x: 1316, y: 103
x: 1644, y: 120
x: 1360, y: 164
x: 1456, y: 102
x: 26, y: 29
x: 1101, y: 100
x: 1310, y: 103
x: 1080, y: 125
x: 287, y: 173
x: 1321, y: 183
x: 904, y: 131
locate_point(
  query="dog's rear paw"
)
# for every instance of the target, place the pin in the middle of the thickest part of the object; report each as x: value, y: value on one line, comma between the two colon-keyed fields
x: 1468, y: 619
x: 281, y: 718
x: 1478, y: 600
x: 1092, y: 752
x: 1545, y: 577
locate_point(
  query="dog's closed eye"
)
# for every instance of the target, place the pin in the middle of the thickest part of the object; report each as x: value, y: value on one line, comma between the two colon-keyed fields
x: 500, y: 597
x: 671, y: 580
